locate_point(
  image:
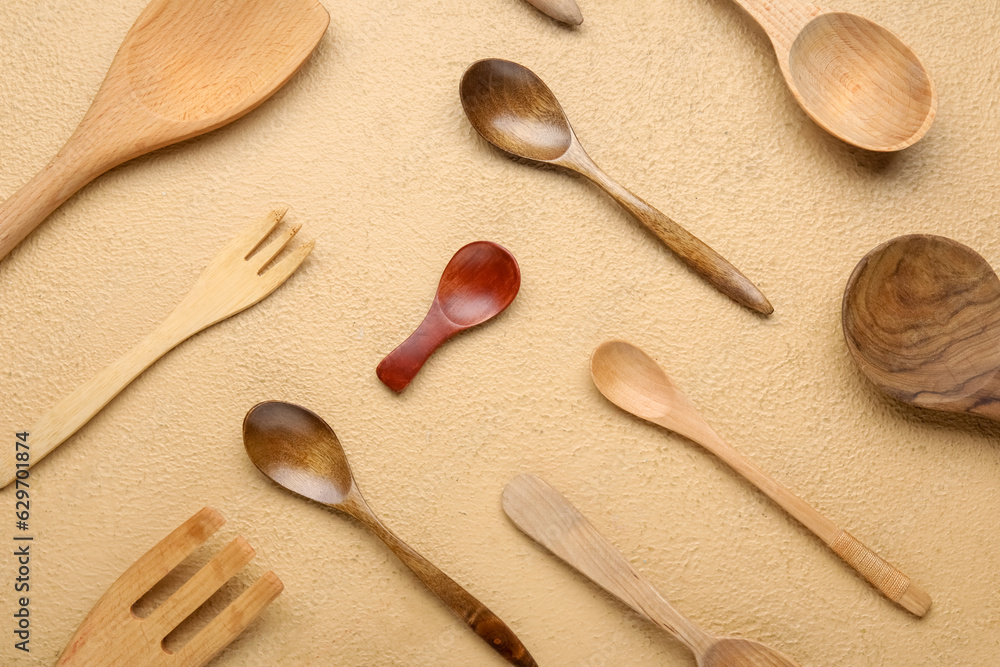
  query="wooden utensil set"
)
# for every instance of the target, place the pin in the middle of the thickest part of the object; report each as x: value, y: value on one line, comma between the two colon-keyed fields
x: 921, y: 314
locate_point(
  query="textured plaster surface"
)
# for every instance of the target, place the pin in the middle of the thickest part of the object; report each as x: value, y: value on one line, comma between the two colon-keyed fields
x: 683, y: 102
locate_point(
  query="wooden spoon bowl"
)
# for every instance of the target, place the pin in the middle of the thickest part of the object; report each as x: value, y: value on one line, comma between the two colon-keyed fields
x: 854, y: 78
x: 921, y: 317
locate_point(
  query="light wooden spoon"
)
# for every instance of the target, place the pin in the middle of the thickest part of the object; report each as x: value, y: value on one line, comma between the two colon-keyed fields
x: 856, y: 79
x: 566, y: 11
x: 185, y: 67
x: 552, y: 521
x: 515, y: 111
x: 298, y: 450
x: 632, y: 380
x: 921, y: 316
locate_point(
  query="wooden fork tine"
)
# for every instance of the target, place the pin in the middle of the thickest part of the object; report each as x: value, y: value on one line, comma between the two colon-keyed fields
x: 166, y: 555
x: 231, y: 621
x: 279, y: 273
x: 265, y: 254
x: 200, y: 587
x: 253, y: 235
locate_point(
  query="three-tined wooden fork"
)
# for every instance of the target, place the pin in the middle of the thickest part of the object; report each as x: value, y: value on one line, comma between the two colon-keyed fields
x: 112, y: 634
x: 237, y: 278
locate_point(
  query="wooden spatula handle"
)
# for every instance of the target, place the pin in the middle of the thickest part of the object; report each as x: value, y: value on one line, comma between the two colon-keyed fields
x: 479, y: 618
x: 29, y: 206
x: 894, y: 584
x: 552, y: 521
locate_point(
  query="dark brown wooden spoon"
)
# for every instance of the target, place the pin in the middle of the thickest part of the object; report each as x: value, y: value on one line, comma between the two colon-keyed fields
x: 513, y: 109
x: 480, y: 281
x: 921, y: 316
x: 298, y: 450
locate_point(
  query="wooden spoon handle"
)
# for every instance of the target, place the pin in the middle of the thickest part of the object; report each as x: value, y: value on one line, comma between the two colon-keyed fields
x: 894, y: 584
x: 690, y: 249
x: 72, y: 412
x: 782, y: 21
x: 552, y: 521
x: 476, y: 615
x: 566, y: 11
x: 880, y: 574
x: 401, y: 365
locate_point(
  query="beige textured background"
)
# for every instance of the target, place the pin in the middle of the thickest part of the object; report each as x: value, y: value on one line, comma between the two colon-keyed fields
x: 683, y: 102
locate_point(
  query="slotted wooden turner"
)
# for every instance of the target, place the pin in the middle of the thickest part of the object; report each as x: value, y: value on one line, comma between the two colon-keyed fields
x: 112, y: 635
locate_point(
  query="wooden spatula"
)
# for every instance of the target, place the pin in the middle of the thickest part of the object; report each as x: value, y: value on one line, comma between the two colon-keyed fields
x: 112, y: 635
x: 185, y: 67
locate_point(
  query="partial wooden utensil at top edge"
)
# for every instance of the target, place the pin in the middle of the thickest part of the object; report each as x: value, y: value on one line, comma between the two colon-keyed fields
x: 237, y: 278
x: 632, y: 380
x: 478, y: 283
x: 185, y: 67
x: 513, y: 109
x: 921, y: 316
x: 112, y: 635
x: 298, y: 450
x: 552, y: 521
x: 857, y: 80
x: 566, y: 11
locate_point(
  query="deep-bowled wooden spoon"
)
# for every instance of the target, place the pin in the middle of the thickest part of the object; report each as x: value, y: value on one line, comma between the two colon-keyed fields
x: 515, y: 111
x: 552, y: 521
x: 632, y: 380
x: 479, y: 282
x: 921, y: 317
x: 856, y: 79
x: 185, y: 67
x: 298, y: 450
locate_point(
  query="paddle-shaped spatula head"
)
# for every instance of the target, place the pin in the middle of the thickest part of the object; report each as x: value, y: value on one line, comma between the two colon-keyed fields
x: 186, y: 67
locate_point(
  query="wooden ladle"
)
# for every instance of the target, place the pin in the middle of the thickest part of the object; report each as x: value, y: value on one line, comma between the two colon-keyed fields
x: 515, y: 111
x: 856, y: 79
x: 479, y: 282
x: 632, y: 380
x: 552, y: 521
x: 298, y: 450
x: 921, y: 316
x: 184, y: 68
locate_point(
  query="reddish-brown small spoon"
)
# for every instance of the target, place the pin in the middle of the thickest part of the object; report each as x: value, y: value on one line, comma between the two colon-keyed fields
x: 479, y: 282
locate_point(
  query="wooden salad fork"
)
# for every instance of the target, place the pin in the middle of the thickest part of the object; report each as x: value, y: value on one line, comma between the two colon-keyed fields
x: 112, y: 634
x: 237, y: 278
